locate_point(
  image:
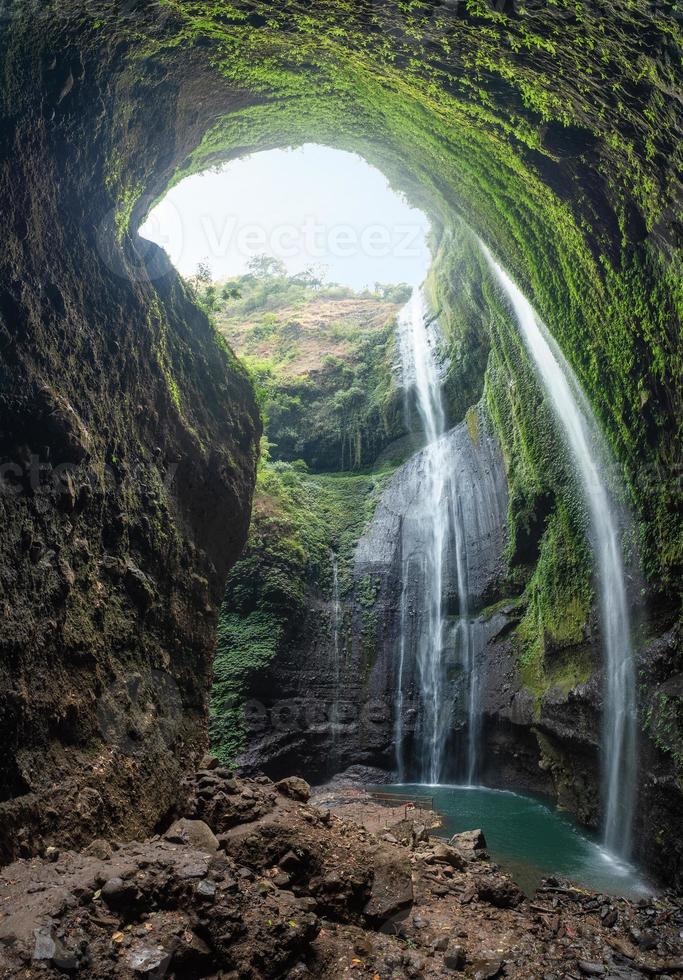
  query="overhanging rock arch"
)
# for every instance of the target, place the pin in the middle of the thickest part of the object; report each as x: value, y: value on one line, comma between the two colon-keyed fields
x: 550, y: 129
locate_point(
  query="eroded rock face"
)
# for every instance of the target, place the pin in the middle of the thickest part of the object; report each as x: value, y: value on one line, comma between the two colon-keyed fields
x: 321, y: 719
x: 127, y: 453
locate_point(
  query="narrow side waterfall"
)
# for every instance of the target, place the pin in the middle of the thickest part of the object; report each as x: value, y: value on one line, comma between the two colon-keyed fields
x: 420, y: 371
x: 582, y: 434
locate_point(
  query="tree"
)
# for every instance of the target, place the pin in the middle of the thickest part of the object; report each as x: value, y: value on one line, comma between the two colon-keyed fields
x: 266, y: 266
x: 203, y: 276
x: 398, y: 293
x: 231, y: 291
x: 312, y: 276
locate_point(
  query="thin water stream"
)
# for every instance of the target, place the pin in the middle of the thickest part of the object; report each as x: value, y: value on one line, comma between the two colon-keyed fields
x: 420, y: 371
x: 450, y: 512
x: 573, y: 412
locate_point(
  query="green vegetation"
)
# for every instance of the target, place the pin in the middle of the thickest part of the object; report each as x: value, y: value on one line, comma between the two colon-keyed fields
x: 663, y: 719
x: 299, y: 518
x: 551, y: 130
x: 298, y: 521
x: 321, y: 358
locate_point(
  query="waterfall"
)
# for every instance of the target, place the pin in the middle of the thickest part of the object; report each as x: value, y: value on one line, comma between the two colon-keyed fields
x: 444, y: 522
x: 580, y: 427
x: 420, y: 371
x: 398, y: 707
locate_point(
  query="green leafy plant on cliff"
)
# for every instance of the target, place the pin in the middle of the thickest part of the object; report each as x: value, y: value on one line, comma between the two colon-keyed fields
x: 323, y: 360
x: 663, y: 720
x: 299, y: 518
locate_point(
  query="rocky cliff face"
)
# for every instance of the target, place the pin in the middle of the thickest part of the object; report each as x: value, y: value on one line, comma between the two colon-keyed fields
x: 329, y: 702
x: 127, y: 455
x: 111, y: 569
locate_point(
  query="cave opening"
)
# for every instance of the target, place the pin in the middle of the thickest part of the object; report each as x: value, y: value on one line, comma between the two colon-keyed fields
x: 309, y: 207
x: 257, y: 240
x: 551, y: 134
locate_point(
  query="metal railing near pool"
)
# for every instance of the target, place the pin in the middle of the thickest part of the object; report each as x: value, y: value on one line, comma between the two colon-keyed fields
x: 412, y: 801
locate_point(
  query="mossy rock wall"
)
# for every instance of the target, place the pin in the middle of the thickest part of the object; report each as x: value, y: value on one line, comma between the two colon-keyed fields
x: 128, y: 445
x: 552, y: 129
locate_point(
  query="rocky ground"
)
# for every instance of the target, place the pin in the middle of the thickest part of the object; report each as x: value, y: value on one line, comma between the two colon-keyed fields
x: 252, y: 880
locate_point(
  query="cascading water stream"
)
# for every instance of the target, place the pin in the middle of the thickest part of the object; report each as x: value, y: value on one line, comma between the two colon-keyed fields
x: 440, y: 526
x: 580, y: 427
x: 420, y: 366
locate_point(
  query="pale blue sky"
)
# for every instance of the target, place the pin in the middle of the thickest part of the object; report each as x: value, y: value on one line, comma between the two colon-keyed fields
x: 311, y: 205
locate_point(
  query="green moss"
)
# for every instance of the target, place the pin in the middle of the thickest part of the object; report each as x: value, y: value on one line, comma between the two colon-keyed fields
x: 663, y: 721
x: 298, y: 521
x: 245, y: 644
x: 552, y: 132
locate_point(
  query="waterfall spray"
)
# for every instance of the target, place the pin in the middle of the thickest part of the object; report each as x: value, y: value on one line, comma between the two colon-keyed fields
x: 580, y: 427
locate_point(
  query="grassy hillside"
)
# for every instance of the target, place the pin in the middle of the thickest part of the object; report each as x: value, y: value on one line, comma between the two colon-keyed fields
x: 323, y: 363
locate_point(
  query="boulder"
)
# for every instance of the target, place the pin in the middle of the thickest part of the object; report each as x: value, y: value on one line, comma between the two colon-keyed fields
x: 445, y: 854
x: 120, y: 895
x: 100, y: 849
x: 295, y: 788
x: 501, y: 892
x: 455, y: 958
x: 392, y: 885
x: 471, y: 844
x: 194, y: 832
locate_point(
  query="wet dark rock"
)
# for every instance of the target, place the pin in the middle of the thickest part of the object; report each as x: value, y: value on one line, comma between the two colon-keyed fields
x: 366, y: 750
x: 591, y: 969
x: 290, y: 862
x: 610, y: 918
x: 119, y: 894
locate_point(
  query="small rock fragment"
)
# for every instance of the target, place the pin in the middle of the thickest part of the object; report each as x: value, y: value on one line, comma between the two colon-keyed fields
x: 590, y: 969
x: 455, y: 958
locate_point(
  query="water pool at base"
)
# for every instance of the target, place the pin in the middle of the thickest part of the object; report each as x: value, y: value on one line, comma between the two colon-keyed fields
x: 529, y: 839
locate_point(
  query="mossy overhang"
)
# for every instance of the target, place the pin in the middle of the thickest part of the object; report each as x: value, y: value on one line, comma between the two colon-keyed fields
x: 551, y: 129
